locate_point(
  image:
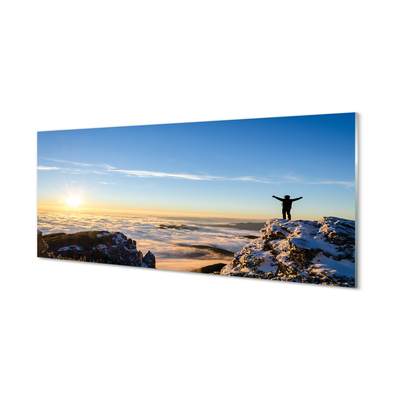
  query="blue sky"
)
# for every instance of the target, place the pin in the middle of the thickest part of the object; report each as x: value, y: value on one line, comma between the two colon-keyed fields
x: 222, y: 168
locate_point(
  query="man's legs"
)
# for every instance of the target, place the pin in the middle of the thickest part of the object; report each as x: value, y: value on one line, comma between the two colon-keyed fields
x: 284, y: 212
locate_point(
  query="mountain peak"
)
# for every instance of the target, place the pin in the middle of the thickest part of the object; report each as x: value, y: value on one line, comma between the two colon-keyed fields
x: 320, y: 252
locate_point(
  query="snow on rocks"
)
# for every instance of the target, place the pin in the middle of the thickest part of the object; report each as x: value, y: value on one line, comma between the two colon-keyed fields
x: 320, y: 252
x: 95, y: 246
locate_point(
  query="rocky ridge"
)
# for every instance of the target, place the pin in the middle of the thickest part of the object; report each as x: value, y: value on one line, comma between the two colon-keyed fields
x: 320, y: 252
x: 94, y: 246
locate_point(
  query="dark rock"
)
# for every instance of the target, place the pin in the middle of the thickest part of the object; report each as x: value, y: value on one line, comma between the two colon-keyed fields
x: 211, y: 249
x: 150, y: 260
x: 210, y: 269
x: 246, y: 237
x: 189, y: 228
x: 42, y: 246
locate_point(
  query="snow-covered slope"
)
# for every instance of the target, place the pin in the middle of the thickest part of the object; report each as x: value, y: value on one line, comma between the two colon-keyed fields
x: 320, y: 252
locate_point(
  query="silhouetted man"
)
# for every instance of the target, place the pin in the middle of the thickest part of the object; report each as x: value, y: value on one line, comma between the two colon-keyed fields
x: 286, y: 205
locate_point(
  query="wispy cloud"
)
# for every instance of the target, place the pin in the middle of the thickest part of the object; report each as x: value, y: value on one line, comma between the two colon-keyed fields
x: 81, y: 164
x: 105, y: 169
x: 68, y: 162
x: 291, y: 178
x: 46, y: 168
x: 106, y: 183
x: 250, y: 179
x: 76, y: 171
x: 151, y: 174
x: 343, y: 183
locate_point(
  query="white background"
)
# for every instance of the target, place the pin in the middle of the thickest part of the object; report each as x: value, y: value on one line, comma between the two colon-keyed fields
x: 77, y: 331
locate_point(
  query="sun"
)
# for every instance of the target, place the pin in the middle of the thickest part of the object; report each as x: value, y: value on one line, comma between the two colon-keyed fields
x: 73, y: 201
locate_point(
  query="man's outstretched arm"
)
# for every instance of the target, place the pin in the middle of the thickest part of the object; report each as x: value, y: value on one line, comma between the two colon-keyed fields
x: 278, y: 198
x: 299, y: 198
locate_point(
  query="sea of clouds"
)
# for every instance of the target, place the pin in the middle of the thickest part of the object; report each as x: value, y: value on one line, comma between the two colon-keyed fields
x: 170, y: 246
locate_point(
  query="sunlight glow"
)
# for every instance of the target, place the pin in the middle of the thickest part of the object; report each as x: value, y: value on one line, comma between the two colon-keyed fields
x: 73, y: 201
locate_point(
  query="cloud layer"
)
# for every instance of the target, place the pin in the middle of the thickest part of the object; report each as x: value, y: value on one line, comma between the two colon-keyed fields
x: 167, y: 244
